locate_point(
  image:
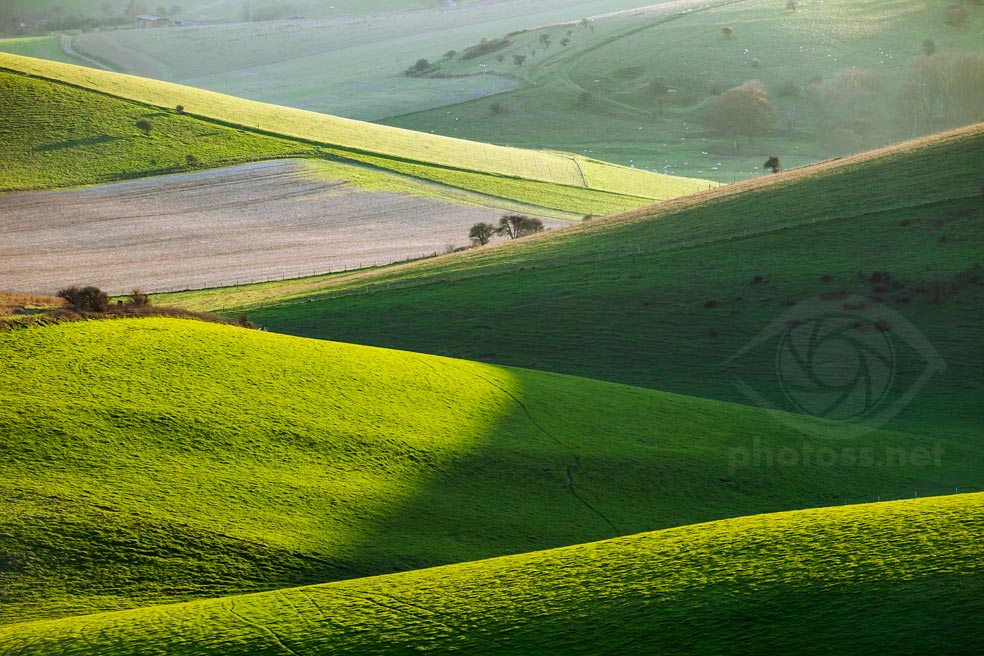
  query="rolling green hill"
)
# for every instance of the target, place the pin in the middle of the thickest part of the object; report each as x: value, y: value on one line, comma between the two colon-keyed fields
x: 148, y: 461
x: 665, y: 296
x: 244, y: 130
x: 902, y: 578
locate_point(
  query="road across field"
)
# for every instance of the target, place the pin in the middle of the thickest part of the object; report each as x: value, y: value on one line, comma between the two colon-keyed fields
x: 212, y: 228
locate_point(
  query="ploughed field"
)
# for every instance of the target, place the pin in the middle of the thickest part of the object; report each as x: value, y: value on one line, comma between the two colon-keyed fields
x: 252, y: 222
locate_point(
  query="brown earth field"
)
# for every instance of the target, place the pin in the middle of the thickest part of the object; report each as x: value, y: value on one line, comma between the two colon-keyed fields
x: 255, y: 222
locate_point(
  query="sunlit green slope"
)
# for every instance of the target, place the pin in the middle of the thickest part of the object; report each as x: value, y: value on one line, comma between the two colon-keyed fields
x: 552, y: 180
x: 665, y: 297
x: 901, y: 578
x: 147, y: 461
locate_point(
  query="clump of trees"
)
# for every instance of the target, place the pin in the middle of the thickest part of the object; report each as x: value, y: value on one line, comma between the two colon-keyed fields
x: 420, y: 67
x: 942, y: 90
x: 851, y: 108
x: 485, y: 47
x: 85, y: 299
x: 512, y: 226
x: 773, y: 163
x: 744, y: 110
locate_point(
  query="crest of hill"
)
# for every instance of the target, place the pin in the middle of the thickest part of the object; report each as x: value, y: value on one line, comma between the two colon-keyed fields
x: 846, y: 580
x: 149, y: 461
x: 395, y: 148
x: 660, y: 297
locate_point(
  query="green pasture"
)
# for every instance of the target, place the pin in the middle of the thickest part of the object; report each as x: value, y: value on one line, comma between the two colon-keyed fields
x: 901, y: 577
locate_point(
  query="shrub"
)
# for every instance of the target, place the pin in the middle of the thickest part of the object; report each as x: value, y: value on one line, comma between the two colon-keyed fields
x: 85, y: 299
x: 138, y: 299
x: 727, y: 32
x: 710, y: 304
x: 191, y: 160
x: 180, y: 109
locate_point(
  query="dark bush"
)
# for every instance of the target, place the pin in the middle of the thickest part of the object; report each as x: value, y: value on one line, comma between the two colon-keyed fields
x: 485, y: 47
x: 85, y: 299
x: 180, y: 109
x: 138, y: 299
x: 710, y: 304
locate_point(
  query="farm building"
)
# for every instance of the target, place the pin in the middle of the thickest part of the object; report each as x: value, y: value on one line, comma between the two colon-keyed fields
x: 151, y: 21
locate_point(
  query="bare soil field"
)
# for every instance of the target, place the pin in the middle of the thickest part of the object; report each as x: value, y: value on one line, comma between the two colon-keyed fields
x: 212, y: 228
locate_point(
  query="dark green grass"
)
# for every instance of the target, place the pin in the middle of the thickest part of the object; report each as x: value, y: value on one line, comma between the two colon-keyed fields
x: 623, y: 299
x: 149, y: 461
x: 900, y: 578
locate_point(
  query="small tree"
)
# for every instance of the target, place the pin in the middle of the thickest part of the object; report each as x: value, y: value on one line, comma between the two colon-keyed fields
x: 519, y: 59
x: 584, y: 22
x: 481, y: 233
x: 145, y: 126
x: 450, y: 54
x: 791, y: 6
x: 191, y: 160
x: 727, y: 32
x: 518, y: 225
x: 500, y: 58
x: 955, y: 14
x: 85, y: 299
x: 773, y: 163
x: 180, y: 109
x: 566, y: 41
x: 545, y: 40
x: 496, y: 108
x: 742, y: 110
x: 138, y: 299
x: 928, y: 47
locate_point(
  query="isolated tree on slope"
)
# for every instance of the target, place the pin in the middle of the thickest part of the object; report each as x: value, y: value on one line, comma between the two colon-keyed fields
x: 144, y: 126
x: 742, y: 110
x: 481, y: 233
x: 519, y: 225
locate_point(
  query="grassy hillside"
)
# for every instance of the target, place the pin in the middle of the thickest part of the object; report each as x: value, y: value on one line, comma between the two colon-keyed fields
x: 664, y: 297
x: 551, y: 180
x: 154, y: 460
x: 901, y: 578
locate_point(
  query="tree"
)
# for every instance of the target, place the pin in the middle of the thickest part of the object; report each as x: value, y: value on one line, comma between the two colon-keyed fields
x: 481, y: 233
x: 180, y: 109
x: 85, y: 299
x: 420, y: 66
x: 659, y: 88
x: 851, y: 101
x: 773, y: 163
x: 518, y: 225
x: 545, y: 40
x: 566, y: 41
x: 791, y: 6
x: 965, y: 78
x: 144, y: 126
x: 450, y: 54
x: 955, y: 14
x: 742, y: 110
x: 727, y: 32
x: 496, y: 108
x: 519, y: 59
x: 928, y: 47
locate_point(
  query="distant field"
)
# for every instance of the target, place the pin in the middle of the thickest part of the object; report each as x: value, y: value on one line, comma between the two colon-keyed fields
x: 900, y: 578
x: 250, y: 131
x: 213, y: 228
x: 41, y: 47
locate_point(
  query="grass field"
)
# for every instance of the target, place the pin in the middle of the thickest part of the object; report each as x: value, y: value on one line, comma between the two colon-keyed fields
x: 604, y: 74
x: 663, y: 297
x: 148, y: 461
x: 219, y: 130
x: 901, y: 578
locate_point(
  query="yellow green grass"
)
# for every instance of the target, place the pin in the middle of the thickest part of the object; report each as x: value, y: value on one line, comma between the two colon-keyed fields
x: 554, y: 179
x: 154, y: 460
x: 902, y: 578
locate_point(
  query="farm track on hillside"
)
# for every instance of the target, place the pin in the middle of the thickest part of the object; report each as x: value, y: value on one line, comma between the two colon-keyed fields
x: 253, y: 222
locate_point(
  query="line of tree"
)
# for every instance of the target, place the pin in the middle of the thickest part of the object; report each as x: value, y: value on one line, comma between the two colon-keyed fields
x: 513, y: 226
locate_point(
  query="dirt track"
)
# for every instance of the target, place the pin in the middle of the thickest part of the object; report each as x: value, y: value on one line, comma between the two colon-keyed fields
x: 212, y: 228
